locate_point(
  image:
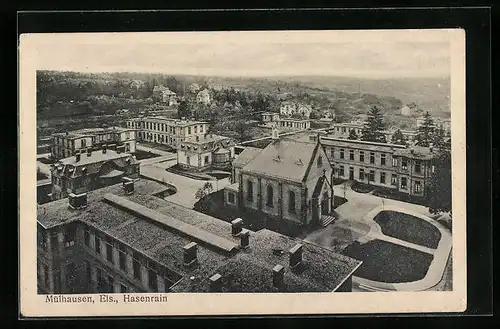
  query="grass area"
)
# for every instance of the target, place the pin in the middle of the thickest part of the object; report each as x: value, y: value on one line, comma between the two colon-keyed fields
x: 213, y: 205
x: 160, y: 147
x: 362, y: 187
x: 396, y: 195
x: 176, y: 169
x: 338, y: 181
x: 141, y: 155
x: 387, y: 262
x: 408, y: 228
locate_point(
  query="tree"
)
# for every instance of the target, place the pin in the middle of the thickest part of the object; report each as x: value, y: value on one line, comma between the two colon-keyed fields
x: 205, y: 190
x: 439, y: 138
x: 398, y: 138
x: 374, y: 126
x: 439, y: 190
x: 425, y: 132
x: 352, y: 134
x: 184, y: 110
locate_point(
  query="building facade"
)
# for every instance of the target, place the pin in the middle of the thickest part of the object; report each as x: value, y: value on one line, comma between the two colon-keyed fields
x: 91, y: 170
x: 288, y: 180
x: 164, y: 95
x: 203, y: 97
x: 271, y: 119
x: 209, y: 151
x: 342, y: 130
x: 67, y: 144
x: 406, y: 169
x: 166, y: 131
x: 118, y: 242
x: 290, y: 108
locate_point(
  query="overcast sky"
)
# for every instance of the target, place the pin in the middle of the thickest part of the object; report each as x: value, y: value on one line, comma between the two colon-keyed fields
x: 240, y: 56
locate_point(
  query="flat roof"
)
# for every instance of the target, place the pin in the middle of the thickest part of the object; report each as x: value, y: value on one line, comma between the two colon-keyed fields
x: 95, y: 157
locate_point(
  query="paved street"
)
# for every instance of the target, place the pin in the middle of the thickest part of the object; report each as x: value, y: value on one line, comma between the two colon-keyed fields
x: 186, y: 187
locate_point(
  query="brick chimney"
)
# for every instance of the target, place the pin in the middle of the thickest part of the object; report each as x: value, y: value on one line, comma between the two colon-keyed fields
x: 278, y: 276
x: 295, y: 255
x: 236, y: 226
x: 216, y: 283
x: 77, y: 201
x: 190, y: 253
x: 244, y: 239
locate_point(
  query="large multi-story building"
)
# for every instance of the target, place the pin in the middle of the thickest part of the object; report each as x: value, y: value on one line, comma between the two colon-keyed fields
x: 287, y: 180
x: 406, y: 169
x: 289, y: 108
x: 91, y: 170
x: 166, y: 131
x: 271, y: 119
x: 124, y: 239
x: 164, y: 95
x: 209, y: 151
x: 68, y: 143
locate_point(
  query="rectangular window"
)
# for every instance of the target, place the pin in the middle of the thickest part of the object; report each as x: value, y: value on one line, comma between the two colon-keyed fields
x: 291, y: 202
x: 371, y: 177
x: 230, y: 197
x: 88, y: 272
x: 86, y: 237
x: 394, y: 162
x: 249, y: 190
x: 418, y: 167
x: 394, y: 179
x: 69, y: 235
x: 201, y: 129
x: 382, y: 159
x: 382, y: 178
x: 136, y: 267
x: 341, y: 171
x: 189, y: 130
x: 351, y: 155
x: 361, y: 174
x: 404, y: 163
x: 97, y: 243
x: 195, y: 129
x: 332, y: 152
x: 206, y: 159
x: 404, y: 183
x: 152, y: 280
x: 341, y: 153
x: 418, y: 186
x: 122, y: 257
x: 109, y: 251
x: 270, y: 196
x: 361, y: 156
x: 372, y: 158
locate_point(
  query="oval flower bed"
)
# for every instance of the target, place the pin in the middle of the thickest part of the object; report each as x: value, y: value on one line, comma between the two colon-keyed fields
x: 408, y: 228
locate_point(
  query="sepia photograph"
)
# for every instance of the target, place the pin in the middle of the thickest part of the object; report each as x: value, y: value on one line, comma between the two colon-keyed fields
x: 243, y: 169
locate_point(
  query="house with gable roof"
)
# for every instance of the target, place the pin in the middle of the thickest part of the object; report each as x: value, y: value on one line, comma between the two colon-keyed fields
x: 288, y: 180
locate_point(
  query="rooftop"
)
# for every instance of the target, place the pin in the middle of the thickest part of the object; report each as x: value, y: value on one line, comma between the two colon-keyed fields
x: 375, y: 146
x: 160, y: 229
x: 95, y: 157
x: 416, y: 152
x: 92, y: 131
x: 287, y: 159
x: 244, y: 157
x: 294, y: 119
x: 208, y: 138
x: 177, y: 122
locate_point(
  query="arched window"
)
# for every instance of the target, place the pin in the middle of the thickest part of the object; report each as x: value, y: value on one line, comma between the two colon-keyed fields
x: 270, y: 196
x: 291, y: 202
x: 249, y: 190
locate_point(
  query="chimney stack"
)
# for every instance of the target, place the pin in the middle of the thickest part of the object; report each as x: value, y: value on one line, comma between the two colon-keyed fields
x: 190, y: 253
x: 295, y: 255
x: 129, y: 187
x: 89, y: 152
x: 278, y: 276
x: 77, y: 201
x: 77, y: 156
x: 216, y: 283
x: 104, y: 146
x: 244, y: 239
x: 236, y: 226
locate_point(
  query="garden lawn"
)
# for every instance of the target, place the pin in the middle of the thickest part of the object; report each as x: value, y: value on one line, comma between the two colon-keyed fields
x: 387, y: 262
x: 408, y: 228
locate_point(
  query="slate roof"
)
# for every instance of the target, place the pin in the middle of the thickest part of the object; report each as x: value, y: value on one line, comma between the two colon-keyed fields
x: 286, y: 159
x: 323, y: 270
x: 364, y: 145
x: 244, y: 157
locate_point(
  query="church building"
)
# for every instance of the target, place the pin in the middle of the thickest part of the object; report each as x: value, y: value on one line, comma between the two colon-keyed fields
x: 288, y: 180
